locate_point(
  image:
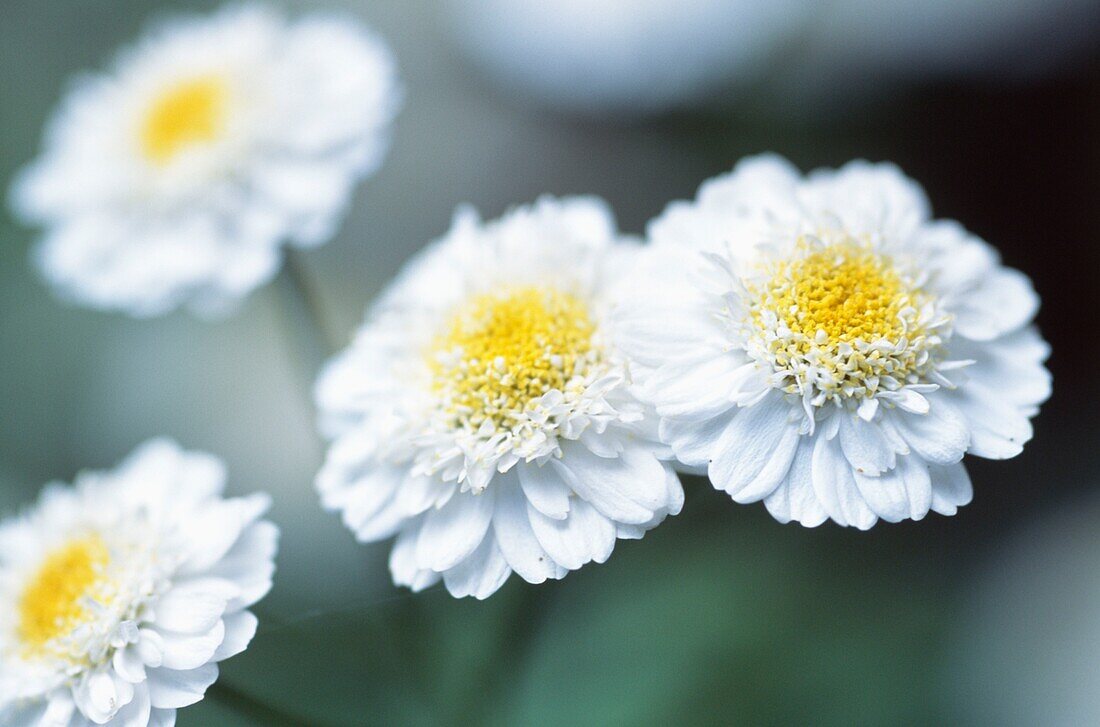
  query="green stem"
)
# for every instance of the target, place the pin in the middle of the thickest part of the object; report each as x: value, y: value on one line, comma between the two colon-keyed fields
x: 302, y: 315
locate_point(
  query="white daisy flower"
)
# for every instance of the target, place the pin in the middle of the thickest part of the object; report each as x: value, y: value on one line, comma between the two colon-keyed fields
x: 120, y: 595
x: 822, y: 345
x: 481, y: 415
x: 174, y: 178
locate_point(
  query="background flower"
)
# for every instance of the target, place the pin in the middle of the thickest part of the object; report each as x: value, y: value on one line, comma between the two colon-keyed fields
x: 175, y: 177
x: 121, y: 594
x: 610, y: 56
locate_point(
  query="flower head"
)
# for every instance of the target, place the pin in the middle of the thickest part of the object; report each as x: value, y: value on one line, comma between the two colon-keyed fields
x: 119, y: 595
x: 822, y: 345
x: 483, y: 416
x: 174, y: 178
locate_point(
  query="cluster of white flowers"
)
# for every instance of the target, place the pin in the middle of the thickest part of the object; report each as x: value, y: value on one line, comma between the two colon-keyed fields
x: 515, y: 399
x: 518, y: 400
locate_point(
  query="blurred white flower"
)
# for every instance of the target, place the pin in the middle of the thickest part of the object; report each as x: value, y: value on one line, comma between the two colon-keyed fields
x: 647, y: 56
x: 822, y: 345
x: 622, y: 55
x: 174, y: 178
x: 481, y: 416
x: 119, y: 595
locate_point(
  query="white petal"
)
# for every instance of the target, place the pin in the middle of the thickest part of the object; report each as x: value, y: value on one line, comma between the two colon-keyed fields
x: 190, y: 651
x: 150, y: 647
x: 998, y: 430
x: 129, y: 665
x: 1003, y: 301
x: 480, y: 574
x: 403, y: 564
x: 755, y: 450
x: 864, y: 445
x: 249, y: 564
x: 193, y: 607
x: 903, y: 492
x: 941, y: 436
x: 162, y: 718
x: 59, y: 710
x: 240, y: 627
x: 136, y: 713
x: 794, y: 499
x: 835, y: 486
x: 545, y: 489
x: 98, y: 696
x: 584, y: 536
x: 951, y: 488
x: 213, y: 531
x: 450, y: 533
x: 627, y: 489
x: 695, y: 443
x: 170, y: 689
x: 516, y: 539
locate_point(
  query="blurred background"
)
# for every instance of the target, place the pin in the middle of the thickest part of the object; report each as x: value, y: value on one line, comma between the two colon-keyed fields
x: 721, y: 615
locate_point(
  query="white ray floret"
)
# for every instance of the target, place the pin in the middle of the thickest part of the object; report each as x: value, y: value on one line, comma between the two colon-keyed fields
x: 823, y: 345
x: 483, y: 417
x: 175, y: 177
x: 120, y: 595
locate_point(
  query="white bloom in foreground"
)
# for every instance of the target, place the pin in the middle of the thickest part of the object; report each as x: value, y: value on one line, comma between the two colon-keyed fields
x: 824, y: 346
x: 481, y: 414
x: 119, y: 595
x: 175, y: 177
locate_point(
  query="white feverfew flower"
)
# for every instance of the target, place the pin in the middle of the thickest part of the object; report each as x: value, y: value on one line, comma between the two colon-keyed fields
x: 482, y: 416
x: 823, y: 345
x: 174, y: 178
x: 120, y: 595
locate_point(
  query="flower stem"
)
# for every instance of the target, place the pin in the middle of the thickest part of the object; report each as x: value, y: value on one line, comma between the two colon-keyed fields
x: 302, y: 315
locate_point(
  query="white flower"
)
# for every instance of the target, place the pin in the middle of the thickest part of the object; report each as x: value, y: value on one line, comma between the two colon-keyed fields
x: 175, y: 177
x: 481, y: 415
x: 119, y: 595
x: 822, y: 345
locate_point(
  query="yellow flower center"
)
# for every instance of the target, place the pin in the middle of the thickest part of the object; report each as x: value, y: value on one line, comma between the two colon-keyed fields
x: 502, y: 351
x: 846, y: 291
x: 190, y: 112
x: 54, y: 602
x: 841, y: 322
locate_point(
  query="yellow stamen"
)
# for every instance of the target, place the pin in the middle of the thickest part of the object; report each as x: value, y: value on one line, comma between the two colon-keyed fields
x: 503, y: 350
x: 844, y: 290
x: 188, y: 113
x: 53, y: 603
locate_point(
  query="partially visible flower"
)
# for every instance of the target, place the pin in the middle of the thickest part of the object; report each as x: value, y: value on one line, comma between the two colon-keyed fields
x: 482, y: 416
x: 174, y: 178
x: 615, y: 56
x: 648, y: 56
x: 822, y: 345
x: 120, y: 595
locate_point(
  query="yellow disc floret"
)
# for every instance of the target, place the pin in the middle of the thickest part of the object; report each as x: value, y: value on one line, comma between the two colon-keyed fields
x: 55, y: 600
x: 501, y: 351
x: 188, y: 113
x: 844, y: 290
x: 841, y: 321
